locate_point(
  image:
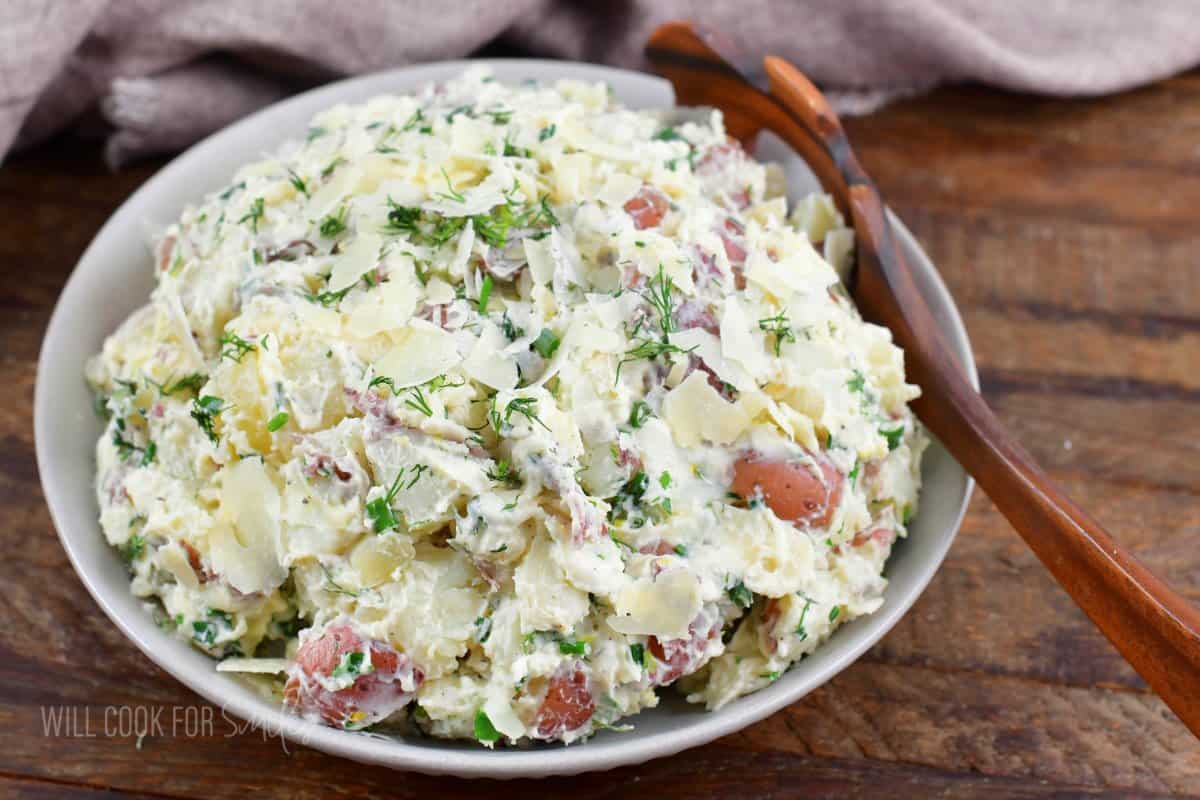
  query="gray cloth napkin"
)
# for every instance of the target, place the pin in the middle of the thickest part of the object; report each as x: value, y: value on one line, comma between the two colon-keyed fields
x: 163, y: 73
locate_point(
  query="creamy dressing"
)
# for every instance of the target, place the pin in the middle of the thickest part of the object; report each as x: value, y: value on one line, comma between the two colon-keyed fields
x: 443, y: 403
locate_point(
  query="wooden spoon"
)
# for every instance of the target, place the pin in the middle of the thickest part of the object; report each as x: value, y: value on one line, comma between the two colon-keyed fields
x: 1152, y: 626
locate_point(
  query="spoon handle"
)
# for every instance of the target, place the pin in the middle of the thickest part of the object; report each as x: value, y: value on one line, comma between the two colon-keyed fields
x: 1151, y: 625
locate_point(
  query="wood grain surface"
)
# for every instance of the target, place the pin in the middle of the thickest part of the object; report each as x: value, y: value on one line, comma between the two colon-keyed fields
x: 1067, y: 232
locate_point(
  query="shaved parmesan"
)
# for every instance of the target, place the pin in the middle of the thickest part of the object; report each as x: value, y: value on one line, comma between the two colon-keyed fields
x: 708, y: 348
x: 259, y: 666
x: 326, y: 199
x: 360, y: 257
x: 619, y: 188
x: 424, y: 352
x: 503, y: 718
x: 488, y: 365
x: 245, y: 541
x: 696, y: 413
x: 738, y: 342
x: 546, y: 600
x: 541, y: 262
x: 661, y: 606
x: 387, y: 307
x: 795, y: 273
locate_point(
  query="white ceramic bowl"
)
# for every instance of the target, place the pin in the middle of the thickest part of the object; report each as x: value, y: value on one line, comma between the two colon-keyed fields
x: 115, y: 276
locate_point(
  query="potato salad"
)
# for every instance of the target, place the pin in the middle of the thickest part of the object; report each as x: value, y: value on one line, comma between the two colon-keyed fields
x: 487, y: 411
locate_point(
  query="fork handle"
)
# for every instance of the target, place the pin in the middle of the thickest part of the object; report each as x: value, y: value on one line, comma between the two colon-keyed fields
x: 1151, y: 625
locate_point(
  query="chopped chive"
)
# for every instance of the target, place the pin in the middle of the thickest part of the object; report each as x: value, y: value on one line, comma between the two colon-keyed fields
x: 278, y: 421
x: 546, y: 343
x: 639, y: 414
x: 485, y: 291
x: 569, y: 647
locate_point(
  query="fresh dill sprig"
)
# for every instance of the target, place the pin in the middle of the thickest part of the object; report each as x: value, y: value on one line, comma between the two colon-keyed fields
x: 205, y: 410
x: 451, y: 193
x: 658, y: 295
x: 235, y: 347
x: 780, y: 328
x: 649, y: 349
x: 254, y: 214
x: 297, y: 182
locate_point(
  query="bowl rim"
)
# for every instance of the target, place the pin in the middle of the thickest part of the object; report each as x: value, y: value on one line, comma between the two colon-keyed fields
x: 502, y: 763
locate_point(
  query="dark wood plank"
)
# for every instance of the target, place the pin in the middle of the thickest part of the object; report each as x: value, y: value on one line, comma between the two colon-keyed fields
x: 25, y: 789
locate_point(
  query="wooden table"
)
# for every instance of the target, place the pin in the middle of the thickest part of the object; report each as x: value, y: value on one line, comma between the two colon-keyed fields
x: 1067, y: 230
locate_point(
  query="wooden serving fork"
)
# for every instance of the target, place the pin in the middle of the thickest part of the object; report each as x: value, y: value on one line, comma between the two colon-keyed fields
x: 1152, y: 626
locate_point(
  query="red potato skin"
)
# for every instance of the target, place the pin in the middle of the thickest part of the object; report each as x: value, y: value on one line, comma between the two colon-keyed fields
x: 882, y: 534
x: 568, y: 704
x: 678, y: 657
x: 322, y: 655
x: 790, y: 488
x: 647, y: 208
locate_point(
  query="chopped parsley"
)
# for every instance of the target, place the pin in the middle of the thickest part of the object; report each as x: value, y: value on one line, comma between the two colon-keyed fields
x: 547, y: 132
x: 740, y: 595
x: 401, y: 219
x: 205, y: 631
x: 894, y: 436
x: 572, y: 647
x: 631, y: 507
x: 352, y: 665
x: 512, y: 151
x: 133, y: 548
x: 334, y: 224
x: 511, y: 331
x: 637, y: 652
x: 485, y: 731
x: 126, y: 448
